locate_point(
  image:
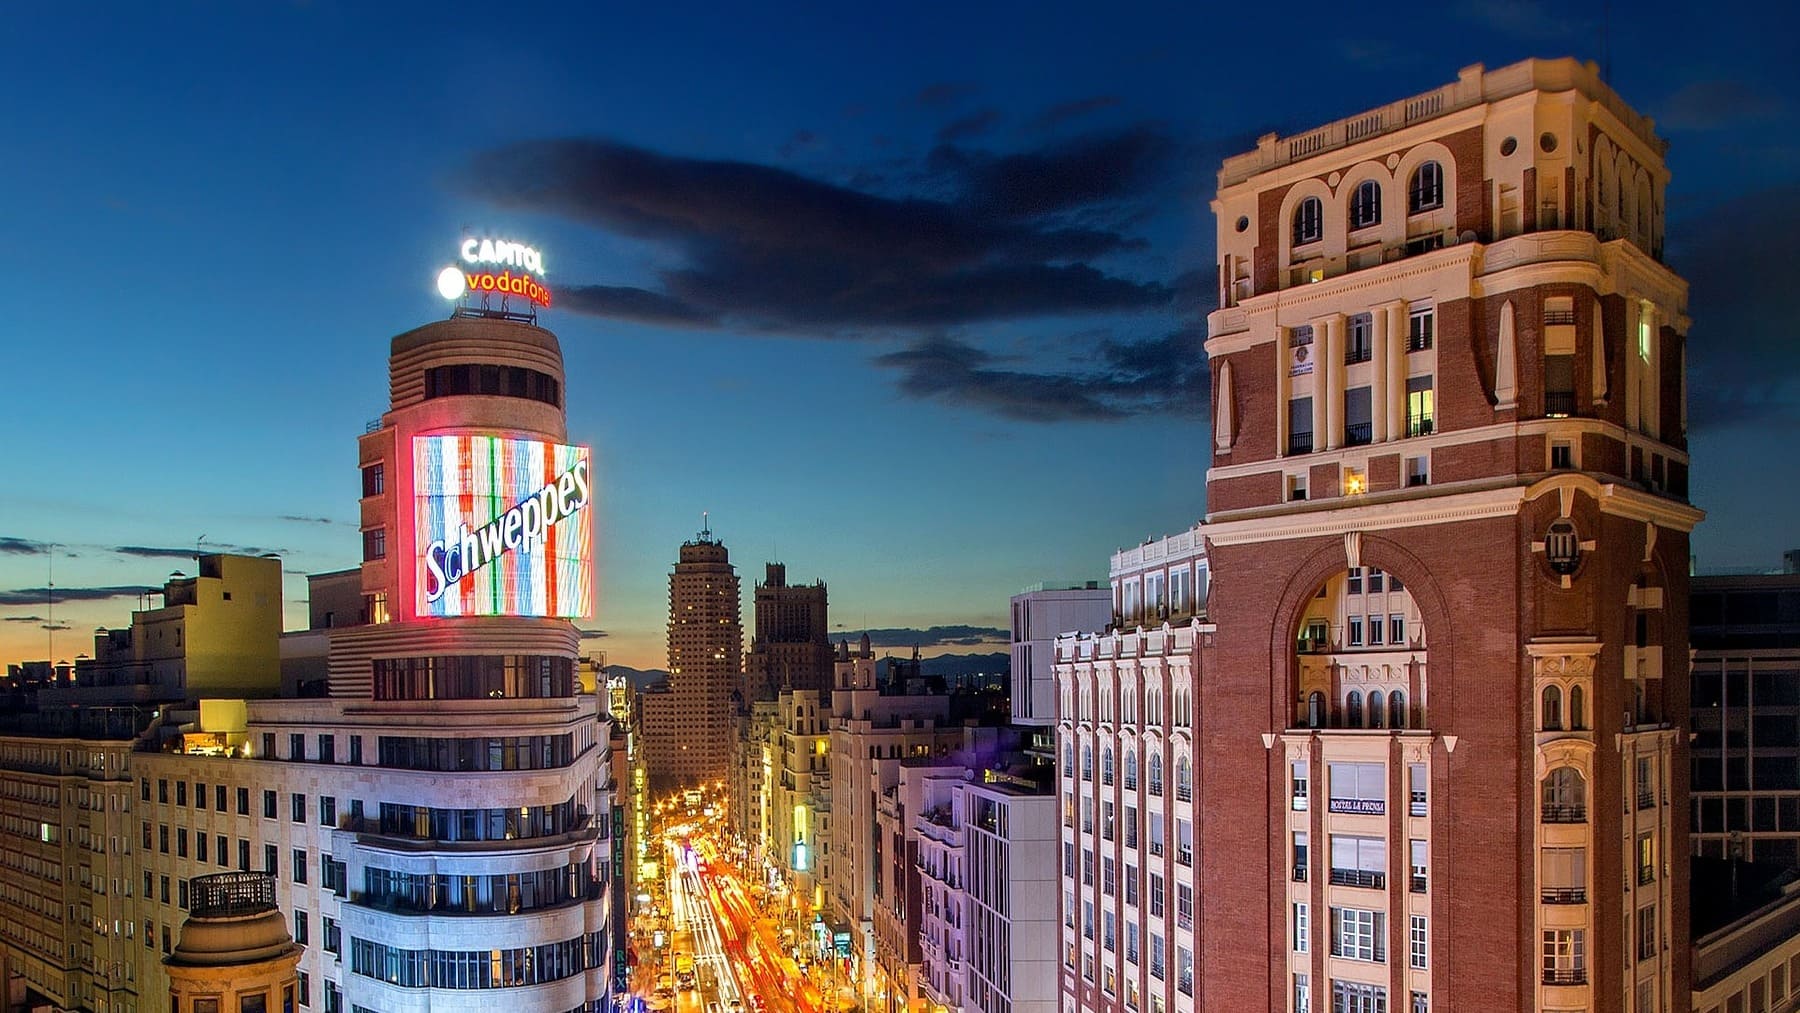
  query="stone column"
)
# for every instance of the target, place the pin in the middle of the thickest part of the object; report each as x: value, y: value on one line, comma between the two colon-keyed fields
x: 1378, y: 378
x: 1333, y: 360
x: 1395, y: 405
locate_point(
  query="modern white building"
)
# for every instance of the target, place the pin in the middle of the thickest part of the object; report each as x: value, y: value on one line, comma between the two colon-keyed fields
x: 1039, y: 616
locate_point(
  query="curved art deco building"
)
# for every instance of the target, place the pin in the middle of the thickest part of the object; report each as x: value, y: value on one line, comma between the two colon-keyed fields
x: 472, y: 872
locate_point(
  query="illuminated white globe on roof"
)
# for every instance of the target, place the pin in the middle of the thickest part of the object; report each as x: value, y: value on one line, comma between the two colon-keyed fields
x: 450, y: 283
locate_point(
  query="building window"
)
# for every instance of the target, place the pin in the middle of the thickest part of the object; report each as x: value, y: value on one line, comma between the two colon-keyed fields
x: 271, y: 860
x: 1421, y: 328
x: 1565, y: 957
x: 1158, y: 895
x: 1358, y: 788
x: 1397, y: 636
x: 1131, y: 770
x: 300, y: 934
x: 298, y: 804
x: 1559, y: 385
x: 1361, y: 343
x: 1296, y: 484
x: 1357, y: 427
x: 1421, y: 406
x: 1418, y: 786
x: 1184, y: 780
x: 269, y: 803
x: 1646, y: 860
x: 374, y: 480
x: 1301, y: 785
x: 1418, y: 471
x: 1354, y: 638
x: 1309, y: 221
x: 1416, y: 948
x: 1358, y: 934
x: 1365, y: 205
x: 299, y: 865
x: 1562, y: 454
x: 1131, y: 889
x: 1106, y: 766
x: 1426, y: 191
x: 1359, y: 861
x: 1156, y: 775
x: 1564, y: 796
x: 375, y: 544
x: 1356, y: 997
x: 1552, y: 710
x: 243, y: 801
x: 1301, y: 853
x: 1302, y: 994
x: 1419, y: 850
x: 1087, y: 763
x: 1300, y: 927
x: 1565, y: 876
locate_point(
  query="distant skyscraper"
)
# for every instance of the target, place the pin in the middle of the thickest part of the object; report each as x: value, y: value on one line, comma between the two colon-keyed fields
x: 706, y: 640
x: 792, y: 646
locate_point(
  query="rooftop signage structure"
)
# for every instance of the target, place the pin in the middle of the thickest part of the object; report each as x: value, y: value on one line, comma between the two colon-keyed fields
x: 496, y: 267
x: 503, y: 527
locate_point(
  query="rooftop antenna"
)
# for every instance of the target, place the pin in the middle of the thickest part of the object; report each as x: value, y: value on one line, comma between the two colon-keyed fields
x: 706, y: 525
x: 197, y: 543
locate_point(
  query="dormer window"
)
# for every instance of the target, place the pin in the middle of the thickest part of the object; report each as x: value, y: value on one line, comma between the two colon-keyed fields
x: 1309, y: 221
x: 1365, y: 205
x: 1426, y: 192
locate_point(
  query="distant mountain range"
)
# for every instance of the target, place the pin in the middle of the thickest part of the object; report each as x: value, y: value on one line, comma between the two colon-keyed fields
x: 945, y: 665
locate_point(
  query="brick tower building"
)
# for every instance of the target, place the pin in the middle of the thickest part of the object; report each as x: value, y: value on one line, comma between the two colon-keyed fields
x: 1427, y: 733
x: 706, y: 651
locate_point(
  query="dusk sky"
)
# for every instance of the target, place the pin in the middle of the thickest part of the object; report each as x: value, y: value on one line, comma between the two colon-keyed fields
x: 911, y: 297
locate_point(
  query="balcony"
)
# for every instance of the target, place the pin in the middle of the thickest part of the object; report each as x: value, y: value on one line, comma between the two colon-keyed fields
x: 1300, y: 443
x: 1565, y: 976
x: 1564, y: 812
x: 1646, y: 875
x: 1359, y: 877
x: 1559, y: 403
x: 1420, y: 425
x: 1354, y: 354
x: 1646, y: 799
x: 1357, y: 434
x: 1565, y: 895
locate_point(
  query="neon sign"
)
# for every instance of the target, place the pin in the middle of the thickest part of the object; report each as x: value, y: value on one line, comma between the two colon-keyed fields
x: 503, y: 527
x: 481, y: 256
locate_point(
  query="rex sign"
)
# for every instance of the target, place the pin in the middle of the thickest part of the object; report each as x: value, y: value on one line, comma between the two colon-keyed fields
x: 504, y: 527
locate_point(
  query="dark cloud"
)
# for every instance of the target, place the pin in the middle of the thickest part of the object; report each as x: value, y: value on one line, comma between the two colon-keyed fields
x: 21, y: 546
x: 943, y: 93
x: 1525, y: 19
x: 768, y: 250
x: 39, y: 595
x: 166, y: 552
x: 935, y: 636
x: 970, y: 126
x: 624, y: 302
x: 1715, y: 105
x: 800, y: 142
x: 1117, y: 380
x: 1742, y: 368
x: 299, y: 519
x: 1063, y: 112
x: 23, y: 619
x: 593, y: 634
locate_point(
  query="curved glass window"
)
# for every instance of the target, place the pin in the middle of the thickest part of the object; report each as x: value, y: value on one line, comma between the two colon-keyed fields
x: 517, y: 752
x: 513, y: 823
x: 509, y: 893
x: 497, y: 381
x: 475, y: 677
x: 509, y: 968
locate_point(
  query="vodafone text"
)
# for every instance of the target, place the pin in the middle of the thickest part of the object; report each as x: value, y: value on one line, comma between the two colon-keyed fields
x: 517, y: 529
x: 508, y: 283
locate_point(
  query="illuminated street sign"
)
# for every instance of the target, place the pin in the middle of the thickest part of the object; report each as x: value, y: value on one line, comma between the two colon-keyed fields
x: 504, y: 527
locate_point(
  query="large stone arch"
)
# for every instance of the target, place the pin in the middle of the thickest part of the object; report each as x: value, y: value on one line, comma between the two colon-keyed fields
x: 1325, y: 561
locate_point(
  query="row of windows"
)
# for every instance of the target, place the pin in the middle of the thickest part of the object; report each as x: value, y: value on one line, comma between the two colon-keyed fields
x: 474, y: 677
x: 500, y: 381
x: 460, y: 969
x: 512, y: 823
x: 517, y: 752
x: 507, y: 893
x: 1425, y: 192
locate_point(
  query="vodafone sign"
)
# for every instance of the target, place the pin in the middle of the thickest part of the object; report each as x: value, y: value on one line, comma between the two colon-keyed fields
x: 496, y: 266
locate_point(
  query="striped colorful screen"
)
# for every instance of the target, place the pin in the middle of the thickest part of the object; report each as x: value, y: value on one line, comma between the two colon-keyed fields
x: 505, y: 527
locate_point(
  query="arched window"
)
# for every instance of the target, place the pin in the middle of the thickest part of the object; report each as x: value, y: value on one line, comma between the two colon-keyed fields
x: 1577, y: 720
x: 1397, y: 709
x: 1184, y: 780
x: 1106, y: 766
x: 1309, y: 221
x: 1315, y: 709
x: 1552, y: 718
x: 1353, y: 710
x: 1426, y: 191
x: 1068, y: 759
x: 1565, y: 796
x: 1087, y: 763
x: 1156, y: 774
x: 1365, y: 205
x: 1375, y: 709
x: 1130, y: 770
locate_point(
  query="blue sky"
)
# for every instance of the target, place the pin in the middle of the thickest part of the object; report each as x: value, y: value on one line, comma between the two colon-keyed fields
x: 219, y: 214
